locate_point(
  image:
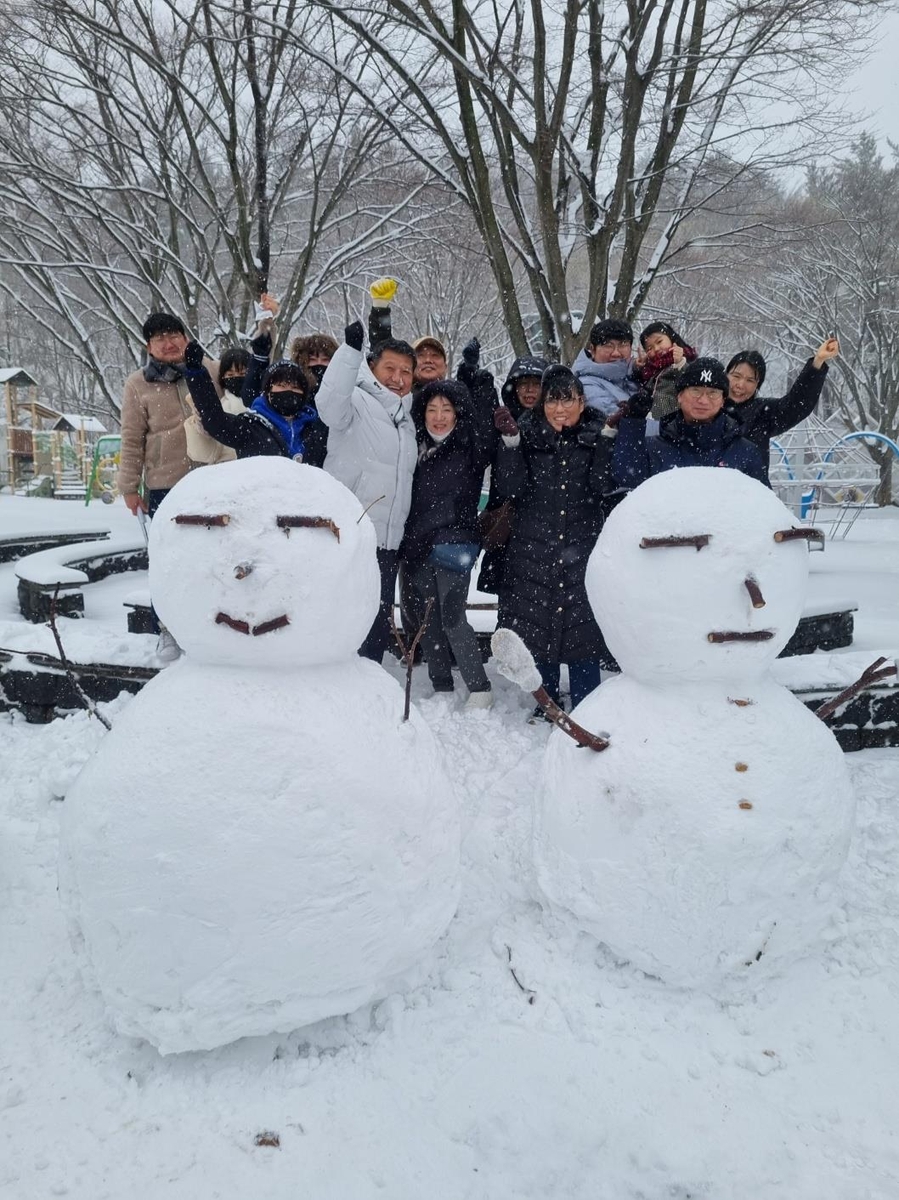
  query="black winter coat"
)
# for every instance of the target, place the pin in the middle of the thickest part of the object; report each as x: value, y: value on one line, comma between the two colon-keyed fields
x: 761, y: 419
x: 446, y: 486
x: 494, y: 561
x: 679, y: 443
x: 249, y: 433
x: 557, y: 481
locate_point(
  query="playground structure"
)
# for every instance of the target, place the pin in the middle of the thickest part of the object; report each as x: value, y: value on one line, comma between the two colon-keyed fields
x: 42, y: 448
x: 825, y: 475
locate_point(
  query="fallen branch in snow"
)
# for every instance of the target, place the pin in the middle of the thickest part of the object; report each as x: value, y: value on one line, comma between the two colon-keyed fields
x: 869, y: 676
x: 532, y: 996
x: 408, y: 654
x: 268, y: 1138
x: 67, y: 666
x: 516, y: 663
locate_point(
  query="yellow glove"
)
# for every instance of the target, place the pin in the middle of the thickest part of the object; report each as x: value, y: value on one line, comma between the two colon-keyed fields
x: 382, y: 291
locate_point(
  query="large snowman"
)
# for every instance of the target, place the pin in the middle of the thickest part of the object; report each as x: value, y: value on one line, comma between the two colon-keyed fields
x: 706, y: 840
x: 261, y: 841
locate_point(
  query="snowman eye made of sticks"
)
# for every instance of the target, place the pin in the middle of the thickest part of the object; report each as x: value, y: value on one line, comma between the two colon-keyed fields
x: 208, y: 521
x: 288, y: 523
x: 697, y: 540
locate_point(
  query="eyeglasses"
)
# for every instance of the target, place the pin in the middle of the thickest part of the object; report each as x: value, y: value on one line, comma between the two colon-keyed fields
x: 561, y: 401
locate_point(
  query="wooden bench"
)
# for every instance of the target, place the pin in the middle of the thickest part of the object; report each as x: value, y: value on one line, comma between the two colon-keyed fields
x: 17, y: 545
x: 66, y: 569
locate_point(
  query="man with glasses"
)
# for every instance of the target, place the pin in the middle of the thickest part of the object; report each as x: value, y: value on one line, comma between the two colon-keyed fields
x: 155, y: 406
x: 698, y: 434
x: 605, y: 366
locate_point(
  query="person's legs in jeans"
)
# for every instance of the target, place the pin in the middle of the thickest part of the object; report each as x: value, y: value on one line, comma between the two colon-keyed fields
x: 583, y: 677
x: 434, y: 645
x: 549, y: 673
x: 378, y: 638
x: 155, y: 497
x: 452, y: 596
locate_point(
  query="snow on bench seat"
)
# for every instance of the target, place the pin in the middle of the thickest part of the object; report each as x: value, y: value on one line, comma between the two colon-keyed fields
x: 66, y: 569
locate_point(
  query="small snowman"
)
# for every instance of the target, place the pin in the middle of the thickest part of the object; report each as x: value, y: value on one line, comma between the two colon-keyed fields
x: 707, y: 838
x: 261, y: 841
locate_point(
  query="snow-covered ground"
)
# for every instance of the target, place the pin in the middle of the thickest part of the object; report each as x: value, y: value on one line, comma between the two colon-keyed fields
x: 530, y: 1064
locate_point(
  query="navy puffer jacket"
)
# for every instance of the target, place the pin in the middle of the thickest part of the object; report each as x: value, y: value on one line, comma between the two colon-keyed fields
x: 717, y: 443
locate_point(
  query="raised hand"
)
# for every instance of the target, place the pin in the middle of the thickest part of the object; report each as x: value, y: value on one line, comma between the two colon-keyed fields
x: 826, y: 352
x: 504, y: 422
x: 193, y: 356
x: 354, y: 335
x: 383, y: 291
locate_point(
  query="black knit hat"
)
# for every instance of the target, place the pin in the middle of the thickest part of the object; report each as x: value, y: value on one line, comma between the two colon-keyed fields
x: 559, y: 381
x: 285, y: 370
x: 662, y: 327
x: 611, y: 330
x: 754, y: 360
x: 703, y: 372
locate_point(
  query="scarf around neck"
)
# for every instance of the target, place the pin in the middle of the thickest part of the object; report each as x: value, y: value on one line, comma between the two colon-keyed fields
x: 160, y: 372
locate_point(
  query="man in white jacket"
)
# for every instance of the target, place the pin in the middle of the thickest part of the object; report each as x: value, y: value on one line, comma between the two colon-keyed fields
x: 371, y: 449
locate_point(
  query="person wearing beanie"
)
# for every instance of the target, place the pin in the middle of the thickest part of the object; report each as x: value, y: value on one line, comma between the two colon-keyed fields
x: 698, y: 434
x: 280, y: 421
x: 162, y: 438
x: 519, y: 393
x: 554, y: 465
x: 762, y: 419
x: 665, y: 354
x: 440, y: 541
x: 605, y: 366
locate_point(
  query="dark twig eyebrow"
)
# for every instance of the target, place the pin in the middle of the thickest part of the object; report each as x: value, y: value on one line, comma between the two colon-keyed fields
x: 189, y: 519
x: 288, y: 523
x: 794, y: 534
x: 745, y: 635
x: 697, y: 539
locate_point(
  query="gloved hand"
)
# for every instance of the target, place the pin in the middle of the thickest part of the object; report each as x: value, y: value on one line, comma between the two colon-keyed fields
x: 639, y: 405
x: 383, y: 291
x: 471, y: 352
x: 504, y: 422
x: 354, y: 335
x: 193, y: 356
x: 261, y: 345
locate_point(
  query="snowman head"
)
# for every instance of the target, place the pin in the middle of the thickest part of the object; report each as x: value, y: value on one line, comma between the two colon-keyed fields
x: 264, y: 562
x: 691, y: 578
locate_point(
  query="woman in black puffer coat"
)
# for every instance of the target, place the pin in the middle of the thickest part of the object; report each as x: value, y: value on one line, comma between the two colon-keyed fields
x: 555, y: 466
x: 440, y: 542
x: 519, y: 393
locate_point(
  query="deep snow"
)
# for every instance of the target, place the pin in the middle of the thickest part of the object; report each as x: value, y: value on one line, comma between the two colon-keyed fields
x: 575, y: 1078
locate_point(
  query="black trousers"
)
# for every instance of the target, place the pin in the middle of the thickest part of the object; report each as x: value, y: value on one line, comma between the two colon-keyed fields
x: 379, y: 635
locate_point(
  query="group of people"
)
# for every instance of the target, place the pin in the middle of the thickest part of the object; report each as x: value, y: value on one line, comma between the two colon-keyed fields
x: 562, y: 446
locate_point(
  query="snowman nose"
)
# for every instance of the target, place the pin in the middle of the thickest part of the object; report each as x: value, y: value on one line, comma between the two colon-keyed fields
x: 755, y: 592
x: 242, y: 570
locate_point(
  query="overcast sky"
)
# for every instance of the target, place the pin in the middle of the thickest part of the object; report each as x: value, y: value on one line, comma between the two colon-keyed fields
x: 876, y: 83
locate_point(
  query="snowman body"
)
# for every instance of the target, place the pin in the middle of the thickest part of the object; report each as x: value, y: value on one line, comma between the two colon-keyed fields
x: 706, y: 841
x: 260, y: 844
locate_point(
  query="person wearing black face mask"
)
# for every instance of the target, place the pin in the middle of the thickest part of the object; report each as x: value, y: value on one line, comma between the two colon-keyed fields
x: 280, y: 421
x: 233, y: 371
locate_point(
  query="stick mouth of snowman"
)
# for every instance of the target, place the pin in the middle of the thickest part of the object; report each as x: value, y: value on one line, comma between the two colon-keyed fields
x: 737, y: 635
x: 252, y: 630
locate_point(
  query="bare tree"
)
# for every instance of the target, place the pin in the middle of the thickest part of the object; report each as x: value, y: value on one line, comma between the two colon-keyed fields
x: 843, y: 278
x: 163, y: 154
x: 560, y: 124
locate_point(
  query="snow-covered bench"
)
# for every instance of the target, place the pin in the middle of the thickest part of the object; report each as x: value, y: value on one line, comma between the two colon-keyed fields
x: 66, y: 569
x: 17, y: 545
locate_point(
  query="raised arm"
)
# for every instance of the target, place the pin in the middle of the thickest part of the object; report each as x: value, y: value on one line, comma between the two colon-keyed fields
x: 334, y: 399
x: 802, y: 398
x: 228, y: 428
x: 380, y: 322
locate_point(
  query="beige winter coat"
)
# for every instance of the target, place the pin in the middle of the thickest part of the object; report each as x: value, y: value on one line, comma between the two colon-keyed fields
x: 162, y: 437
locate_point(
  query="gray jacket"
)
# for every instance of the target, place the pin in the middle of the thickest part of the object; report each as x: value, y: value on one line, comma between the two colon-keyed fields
x: 605, y: 385
x: 371, y: 441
